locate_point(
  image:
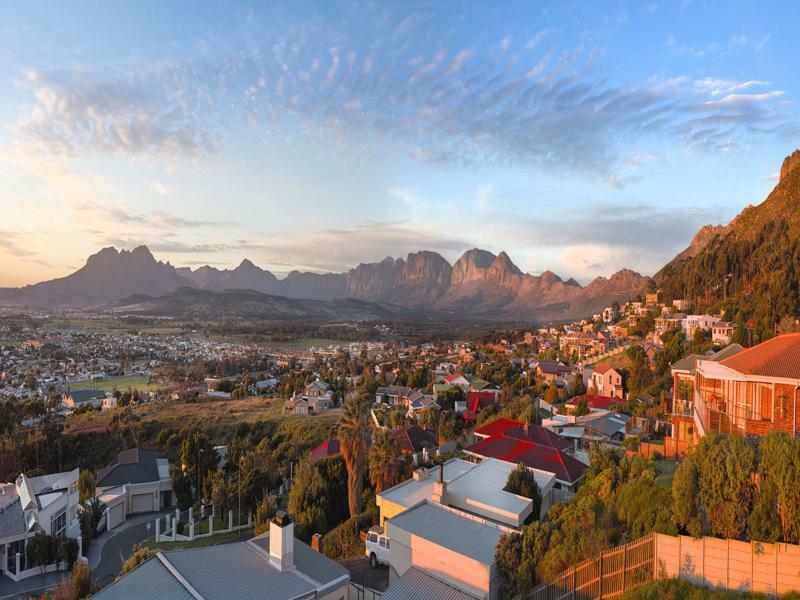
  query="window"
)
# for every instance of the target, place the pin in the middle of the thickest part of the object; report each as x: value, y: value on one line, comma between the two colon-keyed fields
x: 58, y: 525
x: 372, y: 538
x: 384, y: 543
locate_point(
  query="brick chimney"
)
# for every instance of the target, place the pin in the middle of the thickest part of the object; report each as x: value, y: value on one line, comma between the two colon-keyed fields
x: 440, y: 487
x: 316, y: 542
x: 281, y: 541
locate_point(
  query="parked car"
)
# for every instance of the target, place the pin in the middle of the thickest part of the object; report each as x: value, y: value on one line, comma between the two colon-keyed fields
x: 377, y: 547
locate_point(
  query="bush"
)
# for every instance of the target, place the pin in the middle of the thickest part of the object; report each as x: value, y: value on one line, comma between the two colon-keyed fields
x: 179, y: 527
x: 344, y: 541
x: 137, y: 557
x: 81, y: 580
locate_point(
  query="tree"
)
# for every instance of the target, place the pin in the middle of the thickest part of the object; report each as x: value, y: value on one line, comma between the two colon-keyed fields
x: 354, y: 434
x: 81, y: 580
x: 308, y: 501
x: 86, y: 485
x: 199, y: 458
x: 447, y: 427
x: 522, y: 481
x: 779, y: 464
x: 582, y: 407
x: 181, y: 487
x: 384, y: 461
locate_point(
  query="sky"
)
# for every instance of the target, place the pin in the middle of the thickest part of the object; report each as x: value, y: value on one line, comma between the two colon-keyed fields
x: 579, y: 137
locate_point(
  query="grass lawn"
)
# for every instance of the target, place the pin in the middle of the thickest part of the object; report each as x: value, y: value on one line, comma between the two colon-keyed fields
x: 666, y: 469
x: 121, y: 383
x: 222, y: 538
x: 220, y: 523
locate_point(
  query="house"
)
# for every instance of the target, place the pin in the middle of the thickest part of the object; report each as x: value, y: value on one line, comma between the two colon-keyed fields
x: 275, y: 565
x: 599, y: 427
x: 593, y: 401
x: 392, y: 394
x: 317, y: 397
x: 109, y: 403
x: 418, y: 402
x: 693, y: 323
x: 265, y: 385
x: 457, y: 379
x: 749, y: 392
x: 326, y: 449
x: 477, y: 401
x: 136, y: 482
x: 651, y: 350
x: 552, y: 371
x: 439, y: 552
x: 536, y: 447
x: 475, y: 488
x: 682, y: 407
x: 722, y: 332
x: 412, y: 439
x: 607, y: 381
x: 48, y: 503
x: 83, y: 398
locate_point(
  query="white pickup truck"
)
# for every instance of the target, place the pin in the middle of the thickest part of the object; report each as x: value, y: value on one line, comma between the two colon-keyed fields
x: 377, y: 545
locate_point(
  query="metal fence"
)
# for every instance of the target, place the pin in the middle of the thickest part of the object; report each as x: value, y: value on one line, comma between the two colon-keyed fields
x: 609, y: 575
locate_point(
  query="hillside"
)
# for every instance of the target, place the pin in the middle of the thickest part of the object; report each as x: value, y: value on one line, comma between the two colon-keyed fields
x: 190, y: 302
x: 750, y: 268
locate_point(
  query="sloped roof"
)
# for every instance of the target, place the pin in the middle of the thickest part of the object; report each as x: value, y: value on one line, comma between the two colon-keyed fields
x: 777, y: 357
x: 416, y: 584
x: 412, y: 438
x: 562, y: 465
x: 603, y: 368
x: 471, y: 538
x: 137, y: 465
x: 595, y: 401
x: 151, y: 580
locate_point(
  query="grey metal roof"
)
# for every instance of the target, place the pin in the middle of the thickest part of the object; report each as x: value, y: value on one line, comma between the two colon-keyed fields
x: 309, y: 562
x: 235, y: 571
x: 149, y: 581
x: 466, y: 536
x: 418, y: 585
x: 12, y: 519
x: 137, y: 465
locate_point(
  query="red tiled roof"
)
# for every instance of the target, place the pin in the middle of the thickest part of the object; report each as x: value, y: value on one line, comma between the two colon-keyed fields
x: 538, y: 435
x: 453, y: 377
x: 497, y: 427
x: 602, y: 368
x: 565, y: 468
x: 326, y: 449
x: 777, y: 357
x: 599, y: 402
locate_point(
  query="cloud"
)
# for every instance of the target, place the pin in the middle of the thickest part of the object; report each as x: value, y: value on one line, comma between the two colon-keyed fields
x: 442, y: 103
x: 160, y: 189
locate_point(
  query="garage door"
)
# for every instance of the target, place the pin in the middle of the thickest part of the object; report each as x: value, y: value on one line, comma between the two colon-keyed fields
x: 142, y: 503
x: 116, y: 515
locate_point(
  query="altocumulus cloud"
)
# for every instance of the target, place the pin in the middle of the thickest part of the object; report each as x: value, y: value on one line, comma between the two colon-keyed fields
x: 510, y: 103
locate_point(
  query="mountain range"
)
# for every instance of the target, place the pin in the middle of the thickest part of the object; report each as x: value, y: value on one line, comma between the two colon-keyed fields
x: 478, y: 284
x: 753, y: 258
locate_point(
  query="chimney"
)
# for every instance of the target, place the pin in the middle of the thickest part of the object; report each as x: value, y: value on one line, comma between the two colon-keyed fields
x: 440, y: 487
x: 281, y: 541
x: 316, y: 542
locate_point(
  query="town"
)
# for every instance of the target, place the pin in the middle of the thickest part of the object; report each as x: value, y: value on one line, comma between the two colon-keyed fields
x: 433, y: 463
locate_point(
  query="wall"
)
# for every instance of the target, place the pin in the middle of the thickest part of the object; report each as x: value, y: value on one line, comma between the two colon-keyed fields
x: 731, y: 564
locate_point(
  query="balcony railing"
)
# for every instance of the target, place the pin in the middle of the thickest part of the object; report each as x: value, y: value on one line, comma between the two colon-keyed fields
x: 682, y: 408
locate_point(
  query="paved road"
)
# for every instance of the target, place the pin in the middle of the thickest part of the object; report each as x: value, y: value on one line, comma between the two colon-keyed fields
x: 116, y: 550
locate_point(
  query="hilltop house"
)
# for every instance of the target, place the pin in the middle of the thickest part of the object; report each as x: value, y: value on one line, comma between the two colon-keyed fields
x: 317, y: 397
x: 136, y: 482
x: 82, y: 398
x: 607, y: 381
x: 48, y: 503
x: 746, y: 392
x: 537, y: 447
x: 275, y: 565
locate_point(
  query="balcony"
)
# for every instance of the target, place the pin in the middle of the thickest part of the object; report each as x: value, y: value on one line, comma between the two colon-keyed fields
x: 682, y: 408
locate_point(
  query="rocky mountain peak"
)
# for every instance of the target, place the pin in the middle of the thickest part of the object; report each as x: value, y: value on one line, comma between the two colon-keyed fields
x: 790, y: 163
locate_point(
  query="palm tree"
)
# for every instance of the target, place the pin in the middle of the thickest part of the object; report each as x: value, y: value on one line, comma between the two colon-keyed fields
x: 354, y: 434
x: 384, y: 461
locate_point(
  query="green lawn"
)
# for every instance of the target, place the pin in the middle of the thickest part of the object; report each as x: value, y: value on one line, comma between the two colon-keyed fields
x: 122, y: 383
x: 666, y: 469
x: 222, y: 538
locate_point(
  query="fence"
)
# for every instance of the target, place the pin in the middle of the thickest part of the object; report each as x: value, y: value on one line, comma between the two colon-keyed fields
x: 359, y: 592
x: 772, y: 569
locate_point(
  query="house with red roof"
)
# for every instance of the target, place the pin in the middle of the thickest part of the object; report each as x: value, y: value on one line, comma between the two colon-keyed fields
x: 457, y: 379
x: 536, y: 447
x: 593, y: 401
x: 478, y: 400
x: 751, y: 392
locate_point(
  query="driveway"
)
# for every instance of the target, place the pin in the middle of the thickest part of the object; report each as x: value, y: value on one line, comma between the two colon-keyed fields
x: 361, y: 573
x: 113, y: 548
